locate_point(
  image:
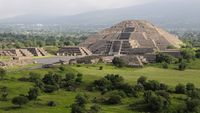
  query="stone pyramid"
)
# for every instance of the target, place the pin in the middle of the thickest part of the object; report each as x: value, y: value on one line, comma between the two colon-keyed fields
x: 131, y: 34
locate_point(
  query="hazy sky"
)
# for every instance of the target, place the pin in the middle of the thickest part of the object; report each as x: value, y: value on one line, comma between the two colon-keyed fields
x: 9, y: 8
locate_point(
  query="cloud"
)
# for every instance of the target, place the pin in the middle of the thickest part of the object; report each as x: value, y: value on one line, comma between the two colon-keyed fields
x: 60, y: 7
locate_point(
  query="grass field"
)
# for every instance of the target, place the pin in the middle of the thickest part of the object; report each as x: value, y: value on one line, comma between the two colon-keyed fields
x: 91, y: 72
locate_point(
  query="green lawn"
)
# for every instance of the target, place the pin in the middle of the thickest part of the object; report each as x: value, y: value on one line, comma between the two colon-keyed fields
x: 91, y: 72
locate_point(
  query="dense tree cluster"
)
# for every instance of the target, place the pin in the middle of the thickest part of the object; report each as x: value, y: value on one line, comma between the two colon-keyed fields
x: 12, y: 40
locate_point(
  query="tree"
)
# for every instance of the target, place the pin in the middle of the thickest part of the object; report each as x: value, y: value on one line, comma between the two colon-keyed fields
x: 34, y: 76
x: 114, y: 99
x: 142, y: 80
x: 190, y: 86
x: 79, y: 78
x: 81, y: 100
x: 182, y: 66
x: 118, y: 62
x: 20, y: 100
x: 2, y: 73
x: 33, y: 93
x: 192, y: 105
x: 165, y: 65
x: 180, y: 89
x: 52, y: 79
x: 188, y: 54
x: 51, y: 103
x: 162, y: 57
x: 152, y: 85
x: 79, y: 105
x: 4, y: 92
x: 95, y: 109
x: 50, y: 88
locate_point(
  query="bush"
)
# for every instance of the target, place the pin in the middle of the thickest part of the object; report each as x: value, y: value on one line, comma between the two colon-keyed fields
x: 155, y: 102
x: 163, y: 86
x: 192, y: 105
x: 101, y: 68
x: 118, y: 62
x: 62, y: 68
x: 81, y: 100
x: 180, y: 89
x: 4, y: 92
x: 114, y: 99
x: 33, y: 93
x: 188, y: 54
x: 77, y: 109
x: 95, y: 109
x: 109, y: 82
x: 20, y: 100
x: 152, y: 85
x: 52, y: 79
x: 2, y: 73
x: 34, y: 77
x: 164, y: 94
x: 190, y: 86
x: 182, y: 66
x: 51, y: 103
x: 162, y: 57
x: 165, y: 65
x: 79, y: 105
x: 50, y: 88
x: 198, y: 54
x: 142, y: 80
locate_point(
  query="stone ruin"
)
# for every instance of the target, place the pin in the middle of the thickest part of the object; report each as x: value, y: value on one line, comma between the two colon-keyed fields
x: 130, y: 36
x: 137, y: 41
x: 24, y: 52
x: 21, y: 56
x: 74, y: 51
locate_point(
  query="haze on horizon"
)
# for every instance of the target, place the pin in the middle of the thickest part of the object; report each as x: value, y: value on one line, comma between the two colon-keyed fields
x: 11, y: 8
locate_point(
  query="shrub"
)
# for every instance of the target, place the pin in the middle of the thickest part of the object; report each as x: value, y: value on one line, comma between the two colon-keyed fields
x: 152, y: 85
x: 192, y: 105
x: 77, y: 109
x: 62, y: 68
x: 20, y: 100
x: 182, y: 66
x: 156, y: 103
x: 142, y: 80
x: 34, y: 77
x: 114, y: 99
x: 2, y: 73
x: 101, y: 68
x: 79, y: 105
x: 164, y: 94
x: 129, y: 90
x: 4, y: 91
x: 33, y: 93
x: 51, y: 79
x: 50, y: 88
x: 180, y: 89
x: 162, y: 57
x: 165, y: 65
x: 118, y: 62
x: 81, y: 100
x: 51, y: 103
x: 79, y: 78
x: 95, y: 109
x: 188, y: 53
x: 163, y: 86
x: 190, y: 86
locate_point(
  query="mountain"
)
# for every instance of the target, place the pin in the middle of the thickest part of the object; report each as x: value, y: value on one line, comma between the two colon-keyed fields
x: 166, y: 13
